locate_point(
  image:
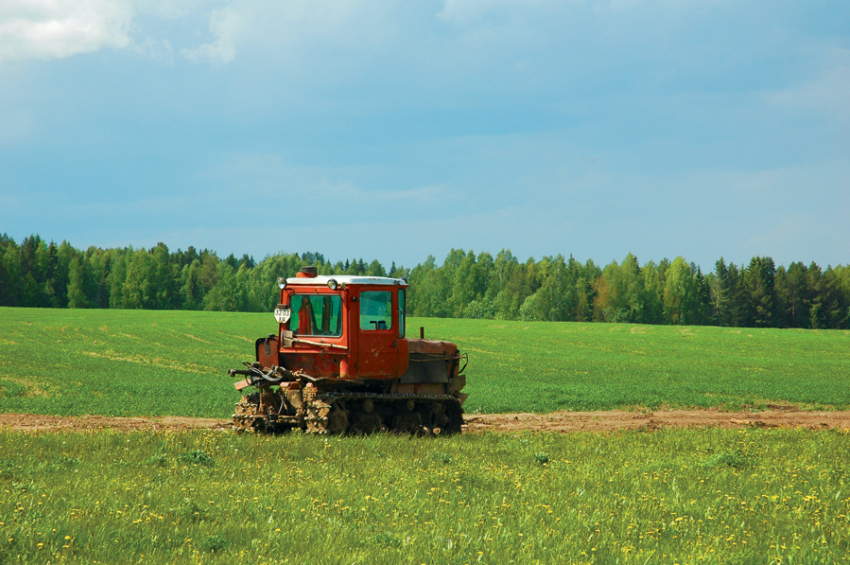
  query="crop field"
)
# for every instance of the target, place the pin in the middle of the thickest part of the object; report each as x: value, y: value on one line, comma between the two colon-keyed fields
x: 157, y: 363
x: 670, y: 496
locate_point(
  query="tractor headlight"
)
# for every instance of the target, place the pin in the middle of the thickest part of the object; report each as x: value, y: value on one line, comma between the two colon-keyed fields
x: 281, y: 282
x: 282, y: 313
x: 332, y: 284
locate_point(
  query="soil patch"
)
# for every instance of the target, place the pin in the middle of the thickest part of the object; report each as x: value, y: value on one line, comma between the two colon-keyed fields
x: 38, y: 422
x: 563, y: 422
x: 621, y: 420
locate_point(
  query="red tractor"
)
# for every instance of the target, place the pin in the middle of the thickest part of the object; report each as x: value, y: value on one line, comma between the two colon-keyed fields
x: 341, y: 363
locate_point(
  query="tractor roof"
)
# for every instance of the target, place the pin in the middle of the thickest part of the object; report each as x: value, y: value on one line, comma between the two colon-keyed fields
x: 346, y: 279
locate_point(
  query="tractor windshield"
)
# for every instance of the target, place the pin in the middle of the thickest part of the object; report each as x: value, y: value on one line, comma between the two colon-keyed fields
x: 376, y: 312
x: 316, y: 314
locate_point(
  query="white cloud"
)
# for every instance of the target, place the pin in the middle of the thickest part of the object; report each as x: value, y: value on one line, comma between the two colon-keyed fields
x: 290, y: 31
x: 168, y: 9
x: 154, y: 49
x: 227, y: 26
x: 45, y: 29
x: 349, y: 23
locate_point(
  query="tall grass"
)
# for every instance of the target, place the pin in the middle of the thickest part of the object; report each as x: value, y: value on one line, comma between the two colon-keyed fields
x: 672, y: 496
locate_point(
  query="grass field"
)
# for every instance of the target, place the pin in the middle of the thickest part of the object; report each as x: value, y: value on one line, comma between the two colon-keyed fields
x: 672, y: 496
x: 135, y: 362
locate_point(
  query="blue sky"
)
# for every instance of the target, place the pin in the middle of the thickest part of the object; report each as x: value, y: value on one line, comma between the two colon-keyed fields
x: 395, y: 130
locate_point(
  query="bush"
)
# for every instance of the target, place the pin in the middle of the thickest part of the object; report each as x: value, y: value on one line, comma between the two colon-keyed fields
x: 735, y: 459
x: 197, y: 457
x: 213, y: 543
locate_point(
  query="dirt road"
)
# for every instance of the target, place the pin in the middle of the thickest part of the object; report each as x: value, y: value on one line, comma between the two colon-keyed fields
x: 562, y: 422
x: 620, y: 420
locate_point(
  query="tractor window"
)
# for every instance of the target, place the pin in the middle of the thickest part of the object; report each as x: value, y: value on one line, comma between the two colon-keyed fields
x: 376, y: 310
x: 316, y: 314
x: 401, y: 312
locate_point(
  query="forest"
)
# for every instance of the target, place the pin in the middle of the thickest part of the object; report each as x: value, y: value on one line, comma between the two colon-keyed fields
x: 34, y: 273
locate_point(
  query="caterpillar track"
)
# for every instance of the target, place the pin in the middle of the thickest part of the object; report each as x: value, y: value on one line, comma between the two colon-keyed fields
x: 352, y: 413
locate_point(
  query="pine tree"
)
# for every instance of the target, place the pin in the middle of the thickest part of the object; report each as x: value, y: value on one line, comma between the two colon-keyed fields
x: 760, y: 292
x: 792, y: 293
x: 10, y: 266
x: 720, y: 291
x: 701, y: 305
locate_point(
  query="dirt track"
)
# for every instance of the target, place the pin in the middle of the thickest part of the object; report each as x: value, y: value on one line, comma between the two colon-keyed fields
x: 556, y: 422
x: 620, y: 420
x: 37, y: 422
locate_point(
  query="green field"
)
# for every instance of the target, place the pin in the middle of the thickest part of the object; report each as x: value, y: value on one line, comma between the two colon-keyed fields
x: 142, y: 362
x: 671, y: 496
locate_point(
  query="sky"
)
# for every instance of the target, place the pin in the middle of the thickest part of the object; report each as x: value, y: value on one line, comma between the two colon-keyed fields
x: 395, y: 130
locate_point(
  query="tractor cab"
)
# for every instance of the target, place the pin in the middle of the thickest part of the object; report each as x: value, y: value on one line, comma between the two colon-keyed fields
x: 346, y: 327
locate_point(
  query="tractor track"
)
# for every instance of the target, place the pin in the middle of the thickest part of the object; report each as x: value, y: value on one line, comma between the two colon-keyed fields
x: 557, y: 422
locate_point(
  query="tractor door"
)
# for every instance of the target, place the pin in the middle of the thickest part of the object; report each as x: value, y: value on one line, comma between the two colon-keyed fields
x: 378, y: 332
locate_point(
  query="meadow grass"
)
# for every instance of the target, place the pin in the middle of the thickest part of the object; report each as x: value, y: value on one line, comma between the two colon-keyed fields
x: 670, y: 496
x: 143, y: 362
x: 123, y: 362
x: 546, y: 366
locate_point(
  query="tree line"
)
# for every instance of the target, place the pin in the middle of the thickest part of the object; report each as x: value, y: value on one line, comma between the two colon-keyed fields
x: 39, y: 274
x: 759, y: 294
